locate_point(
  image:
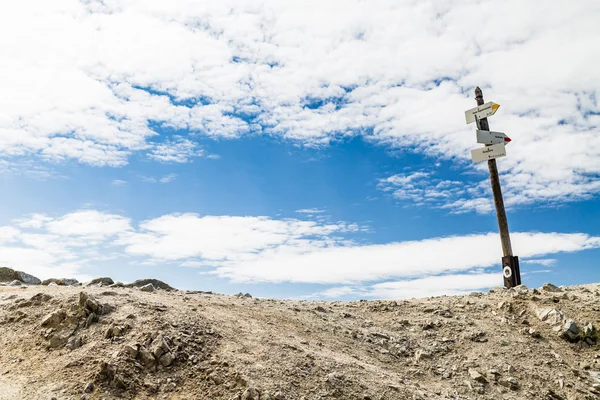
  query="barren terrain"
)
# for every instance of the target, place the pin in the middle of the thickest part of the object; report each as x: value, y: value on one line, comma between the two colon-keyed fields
x: 91, y: 342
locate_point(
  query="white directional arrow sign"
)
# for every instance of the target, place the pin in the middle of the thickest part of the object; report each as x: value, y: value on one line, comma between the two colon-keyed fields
x: 483, y: 111
x: 488, y: 152
x: 490, y: 137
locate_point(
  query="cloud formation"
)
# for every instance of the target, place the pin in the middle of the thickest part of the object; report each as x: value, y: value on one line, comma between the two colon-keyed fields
x: 253, y: 249
x: 120, y: 72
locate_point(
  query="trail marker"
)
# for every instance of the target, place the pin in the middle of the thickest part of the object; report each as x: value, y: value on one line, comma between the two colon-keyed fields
x: 488, y: 137
x: 494, y: 148
x: 483, y: 111
x: 488, y: 153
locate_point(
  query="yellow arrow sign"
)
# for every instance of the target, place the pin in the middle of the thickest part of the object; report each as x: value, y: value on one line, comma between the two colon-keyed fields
x: 483, y: 111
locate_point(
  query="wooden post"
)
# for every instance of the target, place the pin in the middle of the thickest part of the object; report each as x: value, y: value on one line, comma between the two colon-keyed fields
x: 512, y: 277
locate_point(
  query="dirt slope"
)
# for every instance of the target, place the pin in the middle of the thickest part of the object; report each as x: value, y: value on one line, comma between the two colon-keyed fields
x: 112, y: 343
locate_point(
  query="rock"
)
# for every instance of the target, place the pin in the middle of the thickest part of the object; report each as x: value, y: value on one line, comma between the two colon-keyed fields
x: 421, y: 354
x: 54, y: 319
x: 15, y: 283
x: 590, y: 331
x: 105, y: 281
x: 131, y: 350
x: 476, y: 376
x: 548, y: 287
x: 167, y: 359
x: 251, y: 394
x: 279, y: 396
x: 521, y: 289
x: 53, y: 284
x: 570, y: 331
x: 89, y: 388
x: 91, y: 305
x: 71, y: 282
x: 550, y: 316
x: 9, y: 275
x: 147, y: 288
x: 28, y: 279
x: 157, y: 284
x: 59, y: 340
x: 511, y: 382
x: 160, y: 347
x: 146, y: 357
x: 116, y: 285
x: 74, y: 343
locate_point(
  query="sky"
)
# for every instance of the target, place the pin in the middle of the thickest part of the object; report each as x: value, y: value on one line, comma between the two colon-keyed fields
x: 298, y: 149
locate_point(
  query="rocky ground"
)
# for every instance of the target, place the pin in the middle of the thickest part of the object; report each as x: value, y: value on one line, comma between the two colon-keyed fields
x: 107, y: 341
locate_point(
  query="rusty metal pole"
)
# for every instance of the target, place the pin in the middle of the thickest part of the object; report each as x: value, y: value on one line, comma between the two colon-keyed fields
x: 510, y: 263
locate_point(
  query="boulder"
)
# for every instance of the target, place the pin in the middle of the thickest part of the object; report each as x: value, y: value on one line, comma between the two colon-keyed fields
x: 251, y: 394
x: 548, y: 287
x: 61, y: 282
x: 105, y: 281
x: 54, y: 319
x: 9, y: 275
x: 15, y: 283
x: 570, y: 331
x: 147, y: 288
x: 154, y: 282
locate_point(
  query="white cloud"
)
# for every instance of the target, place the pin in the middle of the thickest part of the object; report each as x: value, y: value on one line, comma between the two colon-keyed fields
x: 178, y: 151
x: 119, y: 182
x: 411, y: 259
x: 118, y: 72
x: 456, y: 284
x: 547, y: 262
x: 165, y: 179
x: 88, y: 225
x: 262, y: 249
x: 310, y: 211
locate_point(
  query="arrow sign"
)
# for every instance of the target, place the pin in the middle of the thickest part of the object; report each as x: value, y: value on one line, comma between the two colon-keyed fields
x: 483, y: 111
x: 490, y: 137
x: 488, y: 152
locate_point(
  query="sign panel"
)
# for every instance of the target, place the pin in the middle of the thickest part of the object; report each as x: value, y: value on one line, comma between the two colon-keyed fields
x: 491, y: 137
x: 488, y: 152
x: 483, y: 111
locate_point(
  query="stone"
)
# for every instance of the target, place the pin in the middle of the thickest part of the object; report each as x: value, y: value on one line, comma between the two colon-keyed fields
x: 157, y: 284
x: 15, y: 283
x: 74, y: 343
x: 71, y: 282
x: 548, y: 287
x: 105, y: 281
x: 53, y: 284
x: 511, y: 382
x: 550, y: 316
x: 251, y: 394
x: 160, y: 346
x: 589, y: 330
x: 167, y: 359
x: 91, y: 305
x: 146, y: 357
x: 476, y: 376
x: 54, y: 319
x: 131, y: 350
x: 89, y: 388
x: 278, y: 396
x: 9, y: 275
x: 570, y: 331
x: 421, y: 354
x: 147, y: 288
x: 58, y: 340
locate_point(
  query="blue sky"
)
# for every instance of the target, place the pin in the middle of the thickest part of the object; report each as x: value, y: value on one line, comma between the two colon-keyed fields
x: 266, y: 149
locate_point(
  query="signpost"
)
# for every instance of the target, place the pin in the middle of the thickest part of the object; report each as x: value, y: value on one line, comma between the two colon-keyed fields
x: 480, y: 112
x: 488, y: 137
x: 495, y: 148
x: 488, y: 153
